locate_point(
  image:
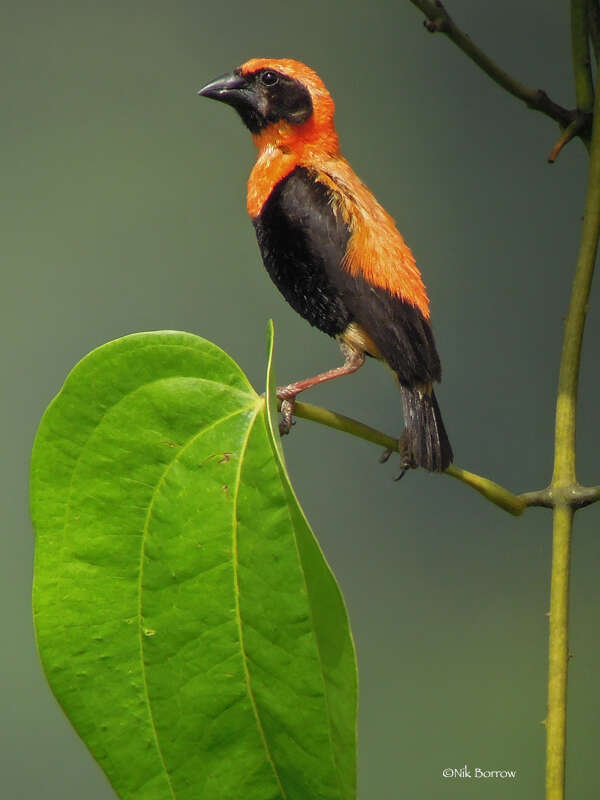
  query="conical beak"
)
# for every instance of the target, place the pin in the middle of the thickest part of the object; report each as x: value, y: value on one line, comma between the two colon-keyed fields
x: 229, y: 88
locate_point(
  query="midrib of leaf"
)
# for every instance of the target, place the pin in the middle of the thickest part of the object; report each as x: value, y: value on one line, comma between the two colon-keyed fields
x: 291, y: 497
x: 287, y: 485
x: 234, y: 548
x: 155, y: 492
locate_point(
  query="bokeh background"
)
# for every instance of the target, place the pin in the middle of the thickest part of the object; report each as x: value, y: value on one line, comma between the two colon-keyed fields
x: 123, y: 209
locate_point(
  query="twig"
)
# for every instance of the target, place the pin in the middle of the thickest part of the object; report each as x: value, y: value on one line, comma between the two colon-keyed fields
x: 574, y: 496
x: 495, y: 493
x: 492, y: 491
x: 439, y: 20
x: 587, y: 496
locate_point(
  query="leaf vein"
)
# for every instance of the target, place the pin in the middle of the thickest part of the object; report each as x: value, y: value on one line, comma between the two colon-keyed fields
x: 141, y: 572
x: 245, y: 658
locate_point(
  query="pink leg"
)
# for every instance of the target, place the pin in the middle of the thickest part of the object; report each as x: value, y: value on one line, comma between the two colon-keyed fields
x: 353, y: 360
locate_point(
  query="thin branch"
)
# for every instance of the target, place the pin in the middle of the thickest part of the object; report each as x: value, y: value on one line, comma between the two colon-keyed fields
x: 492, y: 491
x: 345, y: 424
x: 574, y: 496
x: 541, y: 499
x: 586, y: 496
x: 489, y: 489
x: 439, y: 20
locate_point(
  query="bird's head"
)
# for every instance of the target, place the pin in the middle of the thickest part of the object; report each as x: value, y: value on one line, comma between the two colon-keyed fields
x: 282, y: 102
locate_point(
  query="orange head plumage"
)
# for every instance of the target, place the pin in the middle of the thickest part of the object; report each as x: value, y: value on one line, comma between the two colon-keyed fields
x: 318, y: 131
x: 283, y: 102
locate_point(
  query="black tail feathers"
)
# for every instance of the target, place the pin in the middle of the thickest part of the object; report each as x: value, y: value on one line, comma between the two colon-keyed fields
x: 424, y: 433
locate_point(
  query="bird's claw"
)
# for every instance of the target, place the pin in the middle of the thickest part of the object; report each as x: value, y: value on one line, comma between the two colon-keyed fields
x: 402, y: 473
x: 384, y: 457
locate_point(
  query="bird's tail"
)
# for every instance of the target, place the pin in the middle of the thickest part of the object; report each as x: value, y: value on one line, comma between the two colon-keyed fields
x: 424, y: 435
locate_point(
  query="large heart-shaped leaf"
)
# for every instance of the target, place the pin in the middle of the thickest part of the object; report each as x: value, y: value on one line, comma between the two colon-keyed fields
x: 186, y: 619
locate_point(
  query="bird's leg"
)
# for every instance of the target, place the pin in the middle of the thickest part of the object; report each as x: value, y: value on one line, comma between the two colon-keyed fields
x: 353, y: 360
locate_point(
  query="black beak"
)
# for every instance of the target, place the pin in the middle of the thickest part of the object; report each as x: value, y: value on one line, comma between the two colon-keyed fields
x: 229, y: 88
x: 237, y: 91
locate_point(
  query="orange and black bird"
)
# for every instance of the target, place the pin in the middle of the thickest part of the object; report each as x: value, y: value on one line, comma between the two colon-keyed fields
x: 331, y: 249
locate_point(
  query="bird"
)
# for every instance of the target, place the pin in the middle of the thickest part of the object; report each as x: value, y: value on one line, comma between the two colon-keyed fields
x: 332, y: 250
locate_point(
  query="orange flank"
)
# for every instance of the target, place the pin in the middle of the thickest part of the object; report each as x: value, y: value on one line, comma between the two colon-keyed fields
x: 376, y: 250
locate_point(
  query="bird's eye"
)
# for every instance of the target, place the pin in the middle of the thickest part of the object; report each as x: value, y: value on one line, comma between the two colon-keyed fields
x: 269, y: 78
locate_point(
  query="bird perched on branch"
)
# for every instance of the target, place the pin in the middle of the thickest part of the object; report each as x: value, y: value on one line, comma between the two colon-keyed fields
x: 331, y: 249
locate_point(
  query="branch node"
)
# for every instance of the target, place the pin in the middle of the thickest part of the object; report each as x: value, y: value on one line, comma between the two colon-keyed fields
x: 543, y: 498
x: 581, y: 120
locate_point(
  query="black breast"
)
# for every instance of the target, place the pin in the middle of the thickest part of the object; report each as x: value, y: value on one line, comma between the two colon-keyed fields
x: 302, y: 239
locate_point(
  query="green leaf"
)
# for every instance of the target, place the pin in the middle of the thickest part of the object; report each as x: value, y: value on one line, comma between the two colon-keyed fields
x: 186, y: 619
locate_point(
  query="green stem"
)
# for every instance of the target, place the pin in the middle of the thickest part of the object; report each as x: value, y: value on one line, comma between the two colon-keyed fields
x: 345, y: 424
x: 495, y: 493
x: 564, y: 460
x: 492, y: 491
x: 580, y: 48
x: 558, y: 654
x: 574, y: 495
x: 594, y: 23
x: 564, y: 475
x: 587, y: 496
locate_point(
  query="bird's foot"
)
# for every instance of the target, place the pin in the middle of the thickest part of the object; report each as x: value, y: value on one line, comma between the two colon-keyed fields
x: 406, y: 458
x: 287, y: 410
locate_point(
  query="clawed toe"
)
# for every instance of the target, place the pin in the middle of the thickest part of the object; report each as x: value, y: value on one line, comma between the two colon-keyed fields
x: 384, y: 457
x: 406, y: 458
x: 287, y: 415
x: 285, y: 426
x: 401, y: 474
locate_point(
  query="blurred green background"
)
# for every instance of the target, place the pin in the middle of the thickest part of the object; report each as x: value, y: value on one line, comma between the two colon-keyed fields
x: 123, y: 209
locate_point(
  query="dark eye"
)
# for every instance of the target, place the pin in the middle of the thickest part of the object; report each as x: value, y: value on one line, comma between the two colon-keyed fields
x: 269, y: 78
